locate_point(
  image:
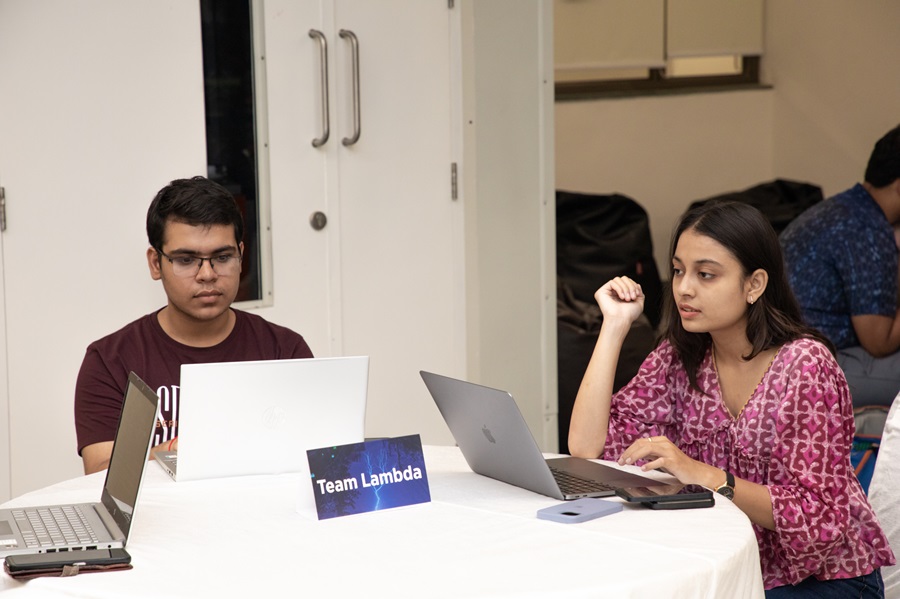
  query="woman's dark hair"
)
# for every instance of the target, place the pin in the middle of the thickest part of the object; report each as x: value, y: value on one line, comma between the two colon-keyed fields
x: 775, y: 318
x: 197, y: 202
x: 884, y: 162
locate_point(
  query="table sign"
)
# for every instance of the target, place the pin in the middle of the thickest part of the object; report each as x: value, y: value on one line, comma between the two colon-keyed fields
x: 370, y: 476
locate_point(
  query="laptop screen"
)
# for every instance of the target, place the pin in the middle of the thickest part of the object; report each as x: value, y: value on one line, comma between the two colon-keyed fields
x: 132, y: 444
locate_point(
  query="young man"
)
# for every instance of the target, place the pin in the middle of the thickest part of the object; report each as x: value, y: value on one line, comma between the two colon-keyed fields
x: 195, y: 229
x: 842, y: 259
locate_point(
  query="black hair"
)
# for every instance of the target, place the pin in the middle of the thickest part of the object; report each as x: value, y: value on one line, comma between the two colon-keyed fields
x: 197, y: 202
x: 775, y: 318
x: 884, y: 163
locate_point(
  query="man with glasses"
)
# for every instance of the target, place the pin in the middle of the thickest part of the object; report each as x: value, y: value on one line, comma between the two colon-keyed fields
x: 195, y: 229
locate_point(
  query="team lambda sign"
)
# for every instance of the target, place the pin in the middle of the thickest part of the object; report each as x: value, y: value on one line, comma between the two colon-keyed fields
x: 370, y: 476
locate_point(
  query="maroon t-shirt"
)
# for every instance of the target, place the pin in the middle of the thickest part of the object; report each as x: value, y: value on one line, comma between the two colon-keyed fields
x: 145, y: 348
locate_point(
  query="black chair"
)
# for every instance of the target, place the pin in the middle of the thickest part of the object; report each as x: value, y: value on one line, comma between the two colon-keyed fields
x: 781, y: 200
x: 599, y: 237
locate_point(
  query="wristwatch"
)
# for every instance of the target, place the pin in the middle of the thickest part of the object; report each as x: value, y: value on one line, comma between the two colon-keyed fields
x: 726, y: 489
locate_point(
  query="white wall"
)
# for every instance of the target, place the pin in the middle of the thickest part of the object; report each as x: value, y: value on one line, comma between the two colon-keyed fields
x: 834, y: 65
x: 89, y: 118
x: 665, y: 151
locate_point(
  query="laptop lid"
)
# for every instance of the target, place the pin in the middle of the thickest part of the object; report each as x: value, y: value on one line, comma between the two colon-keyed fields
x: 260, y: 417
x: 130, y: 452
x: 496, y: 441
x: 104, y: 524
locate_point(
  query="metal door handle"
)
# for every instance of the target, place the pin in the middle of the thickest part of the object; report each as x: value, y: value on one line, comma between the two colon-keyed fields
x: 318, y: 220
x: 354, y: 46
x: 323, y: 66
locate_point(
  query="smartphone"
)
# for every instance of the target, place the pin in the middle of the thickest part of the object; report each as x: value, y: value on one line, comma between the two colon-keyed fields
x: 40, y: 561
x: 579, y: 510
x: 669, y: 497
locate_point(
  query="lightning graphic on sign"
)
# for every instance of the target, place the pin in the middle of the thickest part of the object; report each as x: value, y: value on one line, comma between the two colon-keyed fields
x: 382, y: 465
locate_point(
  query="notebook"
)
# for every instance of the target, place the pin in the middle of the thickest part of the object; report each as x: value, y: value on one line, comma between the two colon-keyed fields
x: 260, y: 417
x: 103, y: 525
x: 496, y: 442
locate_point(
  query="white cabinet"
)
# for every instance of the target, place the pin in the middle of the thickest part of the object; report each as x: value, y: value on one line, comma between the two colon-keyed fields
x: 400, y: 272
x: 385, y: 276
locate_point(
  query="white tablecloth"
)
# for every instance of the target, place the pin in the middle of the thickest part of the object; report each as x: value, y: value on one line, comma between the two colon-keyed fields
x: 477, y: 538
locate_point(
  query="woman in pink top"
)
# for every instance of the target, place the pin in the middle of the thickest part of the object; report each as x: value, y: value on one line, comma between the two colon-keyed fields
x: 740, y: 397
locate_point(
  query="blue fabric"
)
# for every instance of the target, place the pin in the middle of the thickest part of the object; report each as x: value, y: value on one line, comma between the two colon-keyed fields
x: 870, y: 586
x: 841, y: 260
x: 863, y: 455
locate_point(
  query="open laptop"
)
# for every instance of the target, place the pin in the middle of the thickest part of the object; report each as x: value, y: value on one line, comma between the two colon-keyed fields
x: 103, y: 525
x: 260, y: 417
x: 496, y: 442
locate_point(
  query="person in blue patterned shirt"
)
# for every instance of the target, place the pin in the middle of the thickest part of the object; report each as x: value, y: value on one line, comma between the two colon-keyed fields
x: 842, y: 262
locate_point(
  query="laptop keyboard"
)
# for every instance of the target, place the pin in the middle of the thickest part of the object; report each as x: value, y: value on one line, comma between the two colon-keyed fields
x: 570, y: 484
x: 59, y: 526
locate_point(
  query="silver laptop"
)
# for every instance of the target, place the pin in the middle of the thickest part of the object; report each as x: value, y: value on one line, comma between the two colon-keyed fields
x: 169, y: 462
x: 103, y: 525
x: 260, y: 417
x: 496, y: 442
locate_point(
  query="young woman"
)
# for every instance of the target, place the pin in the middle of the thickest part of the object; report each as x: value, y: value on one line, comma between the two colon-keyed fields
x: 742, y: 398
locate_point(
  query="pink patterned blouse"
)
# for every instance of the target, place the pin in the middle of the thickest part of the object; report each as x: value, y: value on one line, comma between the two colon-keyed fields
x: 793, y: 436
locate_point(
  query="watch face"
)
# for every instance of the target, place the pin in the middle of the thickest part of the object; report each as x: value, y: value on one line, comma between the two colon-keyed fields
x: 726, y: 492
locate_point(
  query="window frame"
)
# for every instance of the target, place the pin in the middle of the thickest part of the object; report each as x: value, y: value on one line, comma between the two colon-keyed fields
x: 656, y: 82
x: 259, y: 256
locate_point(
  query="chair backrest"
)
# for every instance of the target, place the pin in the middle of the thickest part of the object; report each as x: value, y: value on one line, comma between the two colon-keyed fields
x: 599, y: 237
x: 883, y: 494
x: 780, y: 201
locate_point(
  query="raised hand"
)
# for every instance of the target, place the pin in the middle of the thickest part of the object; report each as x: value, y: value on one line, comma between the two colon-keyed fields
x: 620, y: 299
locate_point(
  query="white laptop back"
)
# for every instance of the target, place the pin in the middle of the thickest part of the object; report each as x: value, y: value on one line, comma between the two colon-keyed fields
x: 241, y: 418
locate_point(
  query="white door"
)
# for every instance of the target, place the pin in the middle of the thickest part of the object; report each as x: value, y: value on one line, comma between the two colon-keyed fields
x: 402, y: 273
x: 385, y: 277
x: 300, y: 175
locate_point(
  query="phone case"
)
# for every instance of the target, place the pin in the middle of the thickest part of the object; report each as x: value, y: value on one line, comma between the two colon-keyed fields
x: 663, y: 494
x: 579, y: 510
x: 681, y: 504
x: 67, y: 563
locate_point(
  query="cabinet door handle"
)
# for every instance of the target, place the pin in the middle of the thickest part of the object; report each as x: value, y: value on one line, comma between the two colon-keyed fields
x: 2, y: 210
x: 354, y: 46
x: 323, y: 66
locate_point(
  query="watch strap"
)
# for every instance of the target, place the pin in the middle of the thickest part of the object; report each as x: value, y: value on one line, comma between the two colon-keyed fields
x: 726, y: 488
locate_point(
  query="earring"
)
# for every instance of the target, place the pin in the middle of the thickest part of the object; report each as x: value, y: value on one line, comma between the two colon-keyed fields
x: 750, y: 299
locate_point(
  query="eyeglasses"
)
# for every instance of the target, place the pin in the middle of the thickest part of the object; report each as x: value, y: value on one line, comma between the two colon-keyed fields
x: 224, y: 265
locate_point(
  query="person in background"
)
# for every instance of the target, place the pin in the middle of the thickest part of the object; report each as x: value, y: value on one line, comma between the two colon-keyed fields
x: 195, y: 230
x: 842, y: 262
x: 740, y: 397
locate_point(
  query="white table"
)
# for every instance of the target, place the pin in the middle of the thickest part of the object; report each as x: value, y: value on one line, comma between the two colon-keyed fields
x: 477, y: 538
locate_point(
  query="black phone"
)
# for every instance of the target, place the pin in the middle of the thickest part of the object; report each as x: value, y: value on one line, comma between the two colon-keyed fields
x: 669, y: 497
x: 90, y: 557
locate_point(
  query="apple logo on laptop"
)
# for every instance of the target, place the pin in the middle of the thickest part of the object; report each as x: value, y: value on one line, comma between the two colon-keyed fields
x: 273, y: 417
x: 487, y: 434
